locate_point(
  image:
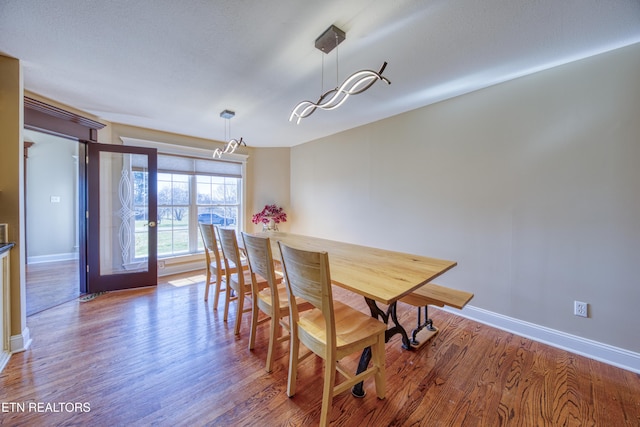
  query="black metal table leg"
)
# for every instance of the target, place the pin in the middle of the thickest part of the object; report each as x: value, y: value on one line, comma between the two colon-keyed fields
x: 365, y: 358
x: 428, y: 324
x: 397, y: 328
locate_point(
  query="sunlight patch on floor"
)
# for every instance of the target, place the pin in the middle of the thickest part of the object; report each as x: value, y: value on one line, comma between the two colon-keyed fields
x: 186, y: 281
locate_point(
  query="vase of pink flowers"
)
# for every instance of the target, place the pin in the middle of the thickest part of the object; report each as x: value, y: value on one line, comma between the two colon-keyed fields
x: 270, y: 217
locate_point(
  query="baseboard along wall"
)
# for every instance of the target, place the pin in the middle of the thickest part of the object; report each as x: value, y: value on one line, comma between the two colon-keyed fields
x: 605, y: 353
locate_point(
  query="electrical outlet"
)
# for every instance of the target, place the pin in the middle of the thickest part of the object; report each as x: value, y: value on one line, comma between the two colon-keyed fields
x: 161, y: 264
x: 580, y: 308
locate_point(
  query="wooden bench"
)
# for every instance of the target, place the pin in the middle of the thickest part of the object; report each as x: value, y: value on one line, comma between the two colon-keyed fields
x: 432, y: 294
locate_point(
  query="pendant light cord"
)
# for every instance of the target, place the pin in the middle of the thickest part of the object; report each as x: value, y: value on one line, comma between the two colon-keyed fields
x: 337, y: 60
x: 322, y: 76
x: 337, y: 68
x: 227, y: 130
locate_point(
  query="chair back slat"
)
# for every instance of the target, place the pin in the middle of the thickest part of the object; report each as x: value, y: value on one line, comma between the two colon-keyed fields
x: 229, y: 245
x: 260, y: 259
x: 208, y: 233
x: 308, y: 277
x: 259, y: 255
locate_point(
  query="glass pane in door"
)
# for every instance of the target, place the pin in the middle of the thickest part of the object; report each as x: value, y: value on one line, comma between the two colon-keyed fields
x: 124, y: 213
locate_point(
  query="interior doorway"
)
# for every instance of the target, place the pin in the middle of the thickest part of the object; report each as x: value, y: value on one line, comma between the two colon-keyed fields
x: 52, y: 224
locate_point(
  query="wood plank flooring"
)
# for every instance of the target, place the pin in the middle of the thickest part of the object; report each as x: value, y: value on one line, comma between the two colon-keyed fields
x: 51, y: 283
x: 164, y: 357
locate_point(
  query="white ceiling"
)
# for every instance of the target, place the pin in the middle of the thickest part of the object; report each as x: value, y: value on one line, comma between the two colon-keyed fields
x: 175, y: 65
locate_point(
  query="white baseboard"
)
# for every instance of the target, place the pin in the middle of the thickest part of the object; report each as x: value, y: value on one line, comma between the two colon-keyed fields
x: 609, y: 354
x: 53, y: 257
x: 20, y: 342
x: 169, y: 269
x: 17, y: 343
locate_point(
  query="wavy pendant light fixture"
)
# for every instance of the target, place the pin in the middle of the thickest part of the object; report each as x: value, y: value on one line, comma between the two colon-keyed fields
x: 356, y: 83
x: 233, y: 144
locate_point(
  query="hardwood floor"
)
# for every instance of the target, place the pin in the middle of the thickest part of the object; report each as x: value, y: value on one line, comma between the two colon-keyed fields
x: 164, y: 357
x: 51, y: 283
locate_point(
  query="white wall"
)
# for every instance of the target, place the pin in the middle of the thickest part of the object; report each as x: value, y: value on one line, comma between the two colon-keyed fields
x: 52, y: 171
x: 531, y: 185
x: 267, y: 183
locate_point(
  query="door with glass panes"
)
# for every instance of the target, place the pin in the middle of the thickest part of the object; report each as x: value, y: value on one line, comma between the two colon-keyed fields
x: 121, y: 217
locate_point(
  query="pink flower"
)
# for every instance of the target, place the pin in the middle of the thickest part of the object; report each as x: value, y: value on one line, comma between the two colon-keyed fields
x: 270, y: 212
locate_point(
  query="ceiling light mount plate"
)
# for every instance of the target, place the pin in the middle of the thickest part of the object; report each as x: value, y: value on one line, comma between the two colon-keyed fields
x: 331, y: 38
x: 227, y: 114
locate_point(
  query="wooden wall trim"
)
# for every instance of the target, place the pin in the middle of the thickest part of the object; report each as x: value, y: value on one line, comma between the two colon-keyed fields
x: 41, y: 116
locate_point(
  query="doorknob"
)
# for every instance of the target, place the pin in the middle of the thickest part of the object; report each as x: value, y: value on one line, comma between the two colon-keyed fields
x: 151, y: 224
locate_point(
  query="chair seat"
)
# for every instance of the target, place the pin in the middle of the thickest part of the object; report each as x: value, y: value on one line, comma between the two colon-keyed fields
x: 214, y: 267
x: 247, y: 279
x: 232, y: 267
x: 265, y: 296
x: 352, y: 326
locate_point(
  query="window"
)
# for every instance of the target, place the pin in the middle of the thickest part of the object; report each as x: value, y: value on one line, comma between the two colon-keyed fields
x: 174, y: 205
x: 190, y: 190
x: 218, y: 201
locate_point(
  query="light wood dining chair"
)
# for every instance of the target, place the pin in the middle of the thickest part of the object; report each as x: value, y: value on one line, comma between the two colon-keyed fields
x: 273, y: 300
x: 215, y: 266
x: 240, y: 280
x: 331, y: 330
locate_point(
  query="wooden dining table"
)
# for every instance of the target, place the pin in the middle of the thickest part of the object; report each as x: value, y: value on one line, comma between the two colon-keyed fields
x: 379, y: 275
